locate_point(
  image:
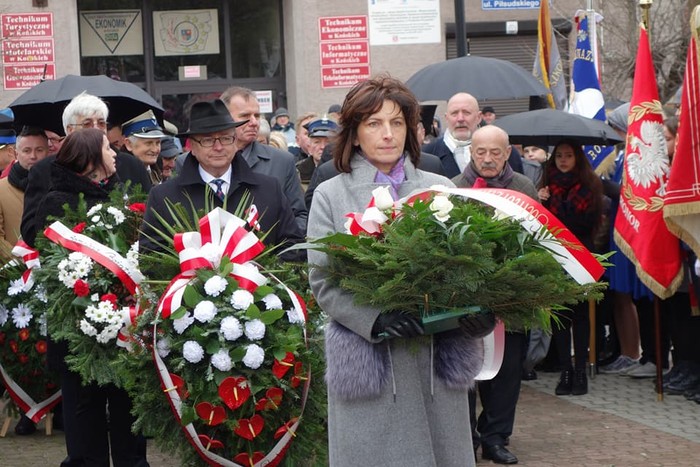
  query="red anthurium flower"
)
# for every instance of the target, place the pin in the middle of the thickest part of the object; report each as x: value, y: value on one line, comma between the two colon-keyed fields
x: 272, y: 401
x: 261, y: 405
x: 212, y: 414
x: 22, y: 358
x: 280, y: 368
x: 234, y: 391
x: 244, y: 459
x: 23, y: 334
x: 111, y: 298
x: 210, y: 443
x: 249, y: 428
x: 137, y: 207
x: 299, y: 375
x: 81, y: 288
x: 40, y: 347
x: 179, y: 386
x: 80, y: 227
x: 13, y: 346
x: 287, y: 427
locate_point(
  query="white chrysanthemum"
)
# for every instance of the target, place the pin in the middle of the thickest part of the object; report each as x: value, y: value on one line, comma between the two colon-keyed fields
x: 295, y: 316
x: 16, y: 287
x: 205, y: 311
x: 192, y: 351
x: 241, y: 299
x: 255, y: 330
x: 163, y: 347
x: 214, y: 286
x: 118, y: 216
x: 4, y: 315
x: 40, y: 293
x: 95, y: 297
x: 272, y: 302
x: 183, y: 323
x: 254, y: 356
x: 132, y: 256
x: 21, y: 316
x: 95, y: 209
x: 231, y: 328
x: 108, y: 333
x: 96, y: 220
x: 221, y: 360
x: 87, y: 328
x: 43, y: 330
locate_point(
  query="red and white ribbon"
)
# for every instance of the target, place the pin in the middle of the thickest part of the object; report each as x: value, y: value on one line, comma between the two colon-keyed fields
x: 130, y: 315
x: 35, y: 411
x: 221, y: 234
x: 30, y: 257
x: 494, y: 347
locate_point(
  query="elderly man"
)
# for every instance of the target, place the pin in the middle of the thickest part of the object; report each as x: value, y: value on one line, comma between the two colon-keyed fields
x: 319, y: 131
x: 243, y: 107
x: 215, y: 171
x: 169, y: 150
x: 499, y: 396
x: 454, y: 146
x: 142, y: 136
x: 302, y: 136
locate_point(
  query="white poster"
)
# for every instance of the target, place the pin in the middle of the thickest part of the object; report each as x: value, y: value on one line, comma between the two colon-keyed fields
x: 186, y: 32
x: 111, y: 32
x: 397, y: 22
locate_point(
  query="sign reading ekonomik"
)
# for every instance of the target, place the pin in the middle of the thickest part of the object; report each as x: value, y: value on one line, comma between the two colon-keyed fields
x: 509, y: 4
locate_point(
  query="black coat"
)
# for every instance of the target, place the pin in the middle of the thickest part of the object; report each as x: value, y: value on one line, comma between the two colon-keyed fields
x: 440, y: 149
x: 427, y: 163
x: 275, y: 213
x: 40, y: 182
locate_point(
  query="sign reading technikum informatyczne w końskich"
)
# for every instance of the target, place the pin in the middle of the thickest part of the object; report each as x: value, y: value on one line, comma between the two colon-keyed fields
x: 509, y: 4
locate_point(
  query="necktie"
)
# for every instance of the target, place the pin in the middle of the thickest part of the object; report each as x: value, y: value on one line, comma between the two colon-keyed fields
x: 219, y: 192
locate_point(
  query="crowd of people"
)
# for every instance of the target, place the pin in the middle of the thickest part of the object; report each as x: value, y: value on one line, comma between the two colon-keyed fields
x: 305, y: 175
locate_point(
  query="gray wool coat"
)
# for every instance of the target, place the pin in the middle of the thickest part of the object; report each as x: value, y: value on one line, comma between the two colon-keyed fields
x: 389, y: 402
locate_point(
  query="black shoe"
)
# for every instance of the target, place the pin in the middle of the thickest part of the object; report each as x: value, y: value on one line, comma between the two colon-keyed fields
x: 498, y: 454
x: 25, y: 426
x: 580, y: 386
x: 565, y: 383
x: 529, y: 375
x: 679, y: 386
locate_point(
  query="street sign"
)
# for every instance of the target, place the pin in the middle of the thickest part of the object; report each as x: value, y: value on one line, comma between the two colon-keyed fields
x: 509, y: 4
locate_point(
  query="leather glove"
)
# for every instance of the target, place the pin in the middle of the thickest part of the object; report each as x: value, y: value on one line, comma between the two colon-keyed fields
x: 478, y: 325
x: 397, y: 324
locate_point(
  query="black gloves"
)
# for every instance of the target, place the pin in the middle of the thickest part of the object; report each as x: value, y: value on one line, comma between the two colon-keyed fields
x: 478, y: 325
x: 397, y: 324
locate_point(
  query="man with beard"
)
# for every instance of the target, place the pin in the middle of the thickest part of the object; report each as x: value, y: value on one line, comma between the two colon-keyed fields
x: 454, y: 146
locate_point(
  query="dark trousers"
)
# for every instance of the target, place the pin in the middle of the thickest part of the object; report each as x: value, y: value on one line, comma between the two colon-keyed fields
x: 499, y: 396
x: 684, y: 328
x: 100, y: 421
x: 647, y: 329
x: 575, y: 320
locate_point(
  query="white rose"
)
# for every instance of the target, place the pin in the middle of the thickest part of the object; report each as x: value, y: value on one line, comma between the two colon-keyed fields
x: 441, y: 207
x: 382, y: 198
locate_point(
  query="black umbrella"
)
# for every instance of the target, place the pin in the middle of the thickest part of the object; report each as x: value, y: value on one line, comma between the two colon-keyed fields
x: 43, y: 104
x: 549, y: 126
x: 482, y: 77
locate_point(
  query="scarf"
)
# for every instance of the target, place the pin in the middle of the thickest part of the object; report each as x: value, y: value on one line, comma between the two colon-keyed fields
x: 18, y: 177
x: 394, y: 178
x: 452, y: 143
x: 501, y: 180
x: 566, y: 188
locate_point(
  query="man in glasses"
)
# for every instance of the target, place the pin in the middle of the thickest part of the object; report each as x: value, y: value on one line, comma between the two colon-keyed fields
x: 213, y: 172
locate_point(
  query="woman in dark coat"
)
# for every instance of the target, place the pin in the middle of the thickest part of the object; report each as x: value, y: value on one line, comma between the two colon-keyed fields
x: 86, y: 164
x: 574, y: 193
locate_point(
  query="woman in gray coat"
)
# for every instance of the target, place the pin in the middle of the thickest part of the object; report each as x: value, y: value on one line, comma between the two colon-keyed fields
x: 399, y: 401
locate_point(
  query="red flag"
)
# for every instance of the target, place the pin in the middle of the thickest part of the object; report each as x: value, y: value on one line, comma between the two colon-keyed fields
x: 682, y: 202
x: 640, y: 230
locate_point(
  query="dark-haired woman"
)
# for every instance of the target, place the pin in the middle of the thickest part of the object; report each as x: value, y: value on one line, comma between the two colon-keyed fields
x: 400, y: 401
x: 86, y: 164
x: 574, y: 193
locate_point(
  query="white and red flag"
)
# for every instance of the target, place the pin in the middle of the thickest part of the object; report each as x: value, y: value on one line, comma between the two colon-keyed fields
x: 640, y: 230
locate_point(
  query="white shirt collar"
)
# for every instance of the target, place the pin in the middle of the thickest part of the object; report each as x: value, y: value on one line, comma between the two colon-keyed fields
x: 207, y: 178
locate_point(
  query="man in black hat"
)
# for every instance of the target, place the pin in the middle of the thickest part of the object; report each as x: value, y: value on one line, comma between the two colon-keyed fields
x: 488, y: 115
x: 213, y: 170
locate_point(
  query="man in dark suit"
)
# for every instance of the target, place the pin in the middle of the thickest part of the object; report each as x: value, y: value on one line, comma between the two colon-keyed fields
x: 454, y: 146
x: 264, y: 159
x: 215, y: 171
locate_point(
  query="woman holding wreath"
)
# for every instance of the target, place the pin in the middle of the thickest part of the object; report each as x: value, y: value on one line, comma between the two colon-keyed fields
x: 400, y: 400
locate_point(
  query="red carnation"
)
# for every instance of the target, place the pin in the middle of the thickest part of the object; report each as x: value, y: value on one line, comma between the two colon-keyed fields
x: 137, y: 207
x: 111, y: 298
x: 40, y: 347
x: 79, y: 228
x: 13, y: 346
x: 23, y: 359
x: 81, y: 288
x: 23, y: 334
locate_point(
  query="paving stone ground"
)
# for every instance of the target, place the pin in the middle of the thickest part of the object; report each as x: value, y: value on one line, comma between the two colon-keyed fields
x: 619, y: 423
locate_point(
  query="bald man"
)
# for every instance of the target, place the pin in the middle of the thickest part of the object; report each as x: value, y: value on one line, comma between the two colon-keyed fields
x: 490, y: 151
x: 462, y: 118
